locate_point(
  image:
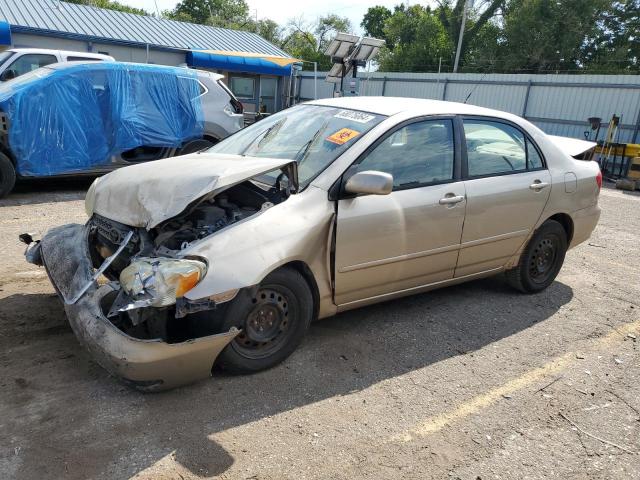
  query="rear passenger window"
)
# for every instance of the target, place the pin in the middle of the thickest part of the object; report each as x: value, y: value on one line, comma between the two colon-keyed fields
x: 83, y: 59
x: 417, y: 154
x: 495, y: 148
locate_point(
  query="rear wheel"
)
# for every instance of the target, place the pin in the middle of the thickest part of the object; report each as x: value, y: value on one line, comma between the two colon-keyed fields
x: 273, y: 321
x: 195, y: 146
x: 7, y: 175
x: 541, y: 260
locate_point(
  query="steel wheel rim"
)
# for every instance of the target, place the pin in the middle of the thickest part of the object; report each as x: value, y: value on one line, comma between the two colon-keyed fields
x: 543, y: 259
x: 267, y: 325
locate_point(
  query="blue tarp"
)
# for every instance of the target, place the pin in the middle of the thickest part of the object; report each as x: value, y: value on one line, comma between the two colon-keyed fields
x: 233, y: 63
x: 76, y: 117
x: 5, y: 33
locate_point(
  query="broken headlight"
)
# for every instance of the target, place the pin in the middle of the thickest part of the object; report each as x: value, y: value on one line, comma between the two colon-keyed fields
x: 160, y: 281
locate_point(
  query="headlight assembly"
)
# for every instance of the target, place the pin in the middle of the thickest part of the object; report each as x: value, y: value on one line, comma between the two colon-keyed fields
x: 160, y: 281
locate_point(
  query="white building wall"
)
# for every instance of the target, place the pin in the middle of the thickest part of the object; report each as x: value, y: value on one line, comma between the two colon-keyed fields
x: 122, y: 53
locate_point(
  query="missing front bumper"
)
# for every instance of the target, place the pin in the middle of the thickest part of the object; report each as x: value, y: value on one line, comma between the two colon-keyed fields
x: 149, y: 365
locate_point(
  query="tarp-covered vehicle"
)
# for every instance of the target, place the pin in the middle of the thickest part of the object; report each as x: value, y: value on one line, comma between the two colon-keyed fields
x: 90, y: 118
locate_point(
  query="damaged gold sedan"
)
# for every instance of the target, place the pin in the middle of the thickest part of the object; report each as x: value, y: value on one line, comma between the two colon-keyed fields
x: 227, y: 255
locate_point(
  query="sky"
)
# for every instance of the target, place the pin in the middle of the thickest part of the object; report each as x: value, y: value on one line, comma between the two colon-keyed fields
x: 282, y: 10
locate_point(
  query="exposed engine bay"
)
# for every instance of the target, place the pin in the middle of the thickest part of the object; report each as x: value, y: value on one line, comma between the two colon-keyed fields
x: 146, y: 261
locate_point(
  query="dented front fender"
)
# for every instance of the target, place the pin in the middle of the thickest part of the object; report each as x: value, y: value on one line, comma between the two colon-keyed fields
x: 149, y: 365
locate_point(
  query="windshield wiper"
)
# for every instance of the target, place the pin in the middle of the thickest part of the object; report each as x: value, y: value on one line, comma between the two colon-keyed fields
x: 265, y: 135
x: 304, y: 150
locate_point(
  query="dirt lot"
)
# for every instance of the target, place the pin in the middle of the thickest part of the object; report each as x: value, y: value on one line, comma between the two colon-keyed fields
x: 470, y: 382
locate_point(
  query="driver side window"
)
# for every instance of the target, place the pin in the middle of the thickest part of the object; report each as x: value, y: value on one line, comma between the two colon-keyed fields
x: 417, y: 154
x: 495, y: 148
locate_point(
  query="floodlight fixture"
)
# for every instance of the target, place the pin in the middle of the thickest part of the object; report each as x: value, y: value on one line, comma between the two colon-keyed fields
x: 342, y: 45
x: 367, y: 49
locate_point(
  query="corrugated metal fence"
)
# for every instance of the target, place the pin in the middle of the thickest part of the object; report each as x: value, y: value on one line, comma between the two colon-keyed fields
x: 558, y: 104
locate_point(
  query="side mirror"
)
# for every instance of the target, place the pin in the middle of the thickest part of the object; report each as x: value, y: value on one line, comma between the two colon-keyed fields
x: 370, y: 182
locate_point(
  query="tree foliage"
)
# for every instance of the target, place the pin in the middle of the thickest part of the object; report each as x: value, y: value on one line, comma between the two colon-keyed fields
x: 308, y: 41
x: 218, y: 13
x: 110, y: 5
x: 511, y: 35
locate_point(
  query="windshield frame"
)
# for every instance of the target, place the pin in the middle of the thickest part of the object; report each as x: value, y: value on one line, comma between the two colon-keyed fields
x: 303, y: 184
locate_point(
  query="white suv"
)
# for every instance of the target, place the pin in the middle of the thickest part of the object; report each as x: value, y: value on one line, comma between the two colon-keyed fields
x: 18, y: 61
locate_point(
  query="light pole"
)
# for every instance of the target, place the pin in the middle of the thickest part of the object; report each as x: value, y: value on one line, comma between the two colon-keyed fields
x: 464, y: 19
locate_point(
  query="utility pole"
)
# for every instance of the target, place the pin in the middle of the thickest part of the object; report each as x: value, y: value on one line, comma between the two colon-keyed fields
x: 464, y: 20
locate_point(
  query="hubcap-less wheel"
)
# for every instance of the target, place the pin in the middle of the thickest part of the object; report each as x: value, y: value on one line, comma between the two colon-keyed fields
x: 543, y: 258
x: 267, y: 324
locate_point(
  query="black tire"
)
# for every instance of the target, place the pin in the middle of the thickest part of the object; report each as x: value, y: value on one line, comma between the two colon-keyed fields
x: 195, y: 146
x: 541, y: 259
x: 7, y: 175
x: 273, y: 321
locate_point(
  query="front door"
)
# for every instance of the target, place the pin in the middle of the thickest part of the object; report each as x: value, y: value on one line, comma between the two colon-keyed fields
x: 507, y: 187
x: 410, y: 237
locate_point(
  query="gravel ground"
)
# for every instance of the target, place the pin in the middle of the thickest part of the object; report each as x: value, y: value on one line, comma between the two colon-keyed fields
x: 470, y: 382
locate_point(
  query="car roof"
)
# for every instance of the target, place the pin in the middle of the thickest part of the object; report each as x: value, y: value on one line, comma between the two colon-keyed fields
x: 65, y: 52
x: 420, y: 106
x: 107, y: 65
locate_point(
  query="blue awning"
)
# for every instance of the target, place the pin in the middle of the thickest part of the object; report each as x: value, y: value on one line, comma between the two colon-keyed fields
x: 5, y: 33
x: 241, y: 62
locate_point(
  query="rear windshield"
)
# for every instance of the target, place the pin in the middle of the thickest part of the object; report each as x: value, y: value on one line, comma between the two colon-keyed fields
x: 313, y: 135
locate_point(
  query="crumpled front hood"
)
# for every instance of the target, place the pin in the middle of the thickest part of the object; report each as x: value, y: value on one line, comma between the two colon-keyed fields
x: 147, y: 194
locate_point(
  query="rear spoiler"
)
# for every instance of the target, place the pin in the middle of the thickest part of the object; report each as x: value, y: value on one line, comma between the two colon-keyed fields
x: 573, y: 147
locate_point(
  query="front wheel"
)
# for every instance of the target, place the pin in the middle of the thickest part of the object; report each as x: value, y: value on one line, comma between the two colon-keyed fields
x: 541, y: 260
x: 273, y: 321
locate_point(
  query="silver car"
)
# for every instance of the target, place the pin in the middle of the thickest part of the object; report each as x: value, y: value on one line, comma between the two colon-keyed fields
x: 226, y: 256
x: 120, y: 123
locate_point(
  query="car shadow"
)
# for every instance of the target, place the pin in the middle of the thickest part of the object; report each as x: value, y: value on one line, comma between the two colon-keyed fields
x: 47, y: 190
x: 102, y: 426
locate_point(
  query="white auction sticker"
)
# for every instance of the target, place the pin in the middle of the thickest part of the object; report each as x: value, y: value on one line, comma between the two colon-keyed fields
x: 359, y: 117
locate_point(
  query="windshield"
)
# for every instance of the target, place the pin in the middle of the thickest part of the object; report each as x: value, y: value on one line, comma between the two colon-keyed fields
x: 312, y: 135
x: 4, y: 56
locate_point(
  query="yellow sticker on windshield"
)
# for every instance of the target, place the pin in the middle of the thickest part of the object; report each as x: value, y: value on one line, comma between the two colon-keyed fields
x: 343, y: 136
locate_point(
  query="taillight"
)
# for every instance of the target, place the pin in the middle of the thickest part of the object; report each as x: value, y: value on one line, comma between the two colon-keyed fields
x: 599, y: 179
x: 237, y: 105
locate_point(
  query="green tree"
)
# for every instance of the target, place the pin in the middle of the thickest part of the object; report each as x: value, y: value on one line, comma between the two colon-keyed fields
x: 219, y: 13
x: 416, y: 39
x: 616, y: 47
x: 309, y: 41
x: 478, y: 20
x: 374, y: 22
x: 547, y: 35
x: 110, y: 5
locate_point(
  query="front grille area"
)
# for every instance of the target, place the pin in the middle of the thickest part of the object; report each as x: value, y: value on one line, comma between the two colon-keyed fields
x: 105, y: 236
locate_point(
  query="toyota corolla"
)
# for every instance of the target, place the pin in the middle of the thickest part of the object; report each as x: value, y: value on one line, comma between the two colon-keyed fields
x: 227, y: 255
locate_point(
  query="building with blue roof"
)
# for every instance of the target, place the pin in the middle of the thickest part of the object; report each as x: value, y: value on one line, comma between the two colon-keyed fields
x: 257, y: 71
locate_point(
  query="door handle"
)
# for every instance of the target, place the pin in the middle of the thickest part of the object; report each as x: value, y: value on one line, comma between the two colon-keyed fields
x: 537, y: 185
x: 451, y: 199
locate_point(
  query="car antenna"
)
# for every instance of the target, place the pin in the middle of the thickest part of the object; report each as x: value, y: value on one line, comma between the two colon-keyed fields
x: 476, y: 86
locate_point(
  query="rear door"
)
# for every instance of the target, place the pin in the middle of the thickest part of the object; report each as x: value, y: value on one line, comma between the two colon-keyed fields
x: 411, y: 237
x: 507, y: 186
